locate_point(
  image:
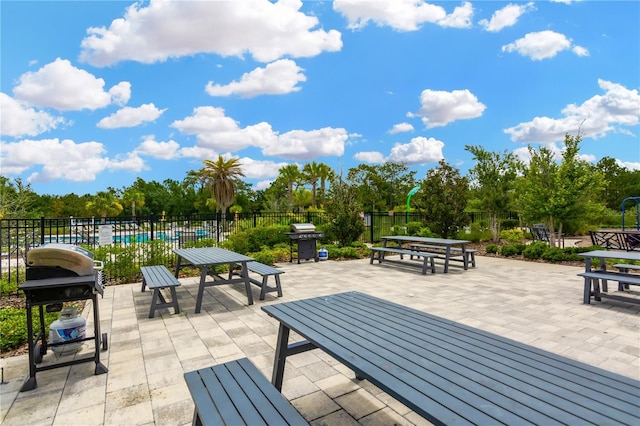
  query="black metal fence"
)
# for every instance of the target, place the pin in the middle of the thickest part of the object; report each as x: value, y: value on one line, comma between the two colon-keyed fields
x: 17, y: 236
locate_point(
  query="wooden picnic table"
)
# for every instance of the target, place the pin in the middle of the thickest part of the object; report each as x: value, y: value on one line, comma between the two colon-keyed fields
x: 207, y: 259
x: 451, y: 248
x: 448, y: 372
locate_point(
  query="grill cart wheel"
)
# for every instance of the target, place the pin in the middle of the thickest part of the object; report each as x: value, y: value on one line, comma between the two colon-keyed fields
x: 38, y: 352
x: 105, y: 344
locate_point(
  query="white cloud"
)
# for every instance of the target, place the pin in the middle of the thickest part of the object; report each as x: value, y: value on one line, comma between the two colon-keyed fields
x: 419, y: 151
x: 164, y: 150
x: 402, y: 15
x: 631, y: 165
x: 460, y: 18
x: 63, y: 159
x: 373, y: 157
x: 440, y: 108
x: 64, y: 87
x: 580, y: 51
x: 308, y: 144
x: 18, y: 120
x: 596, y: 117
x: 155, y: 31
x: 277, y: 78
x: 506, y: 17
x: 217, y: 132
x: 400, y: 128
x: 263, y: 184
x: 260, y: 169
x: 543, y: 45
x: 131, y: 117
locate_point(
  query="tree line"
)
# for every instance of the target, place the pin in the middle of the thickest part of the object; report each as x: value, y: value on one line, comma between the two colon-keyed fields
x: 565, y: 191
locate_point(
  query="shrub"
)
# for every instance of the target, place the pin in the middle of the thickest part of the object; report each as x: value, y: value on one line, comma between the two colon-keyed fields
x: 9, y: 287
x: 512, y: 236
x: 13, y: 326
x: 425, y: 232
x: 413, y: 228
x: 512, y: 249
x: 264, y: 256
x: 491, y: 248
x: 507, y: 224
x: 535, y: 250
x: 553, y: 254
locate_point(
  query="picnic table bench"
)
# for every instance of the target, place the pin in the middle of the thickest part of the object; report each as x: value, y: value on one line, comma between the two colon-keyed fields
x: 237, y: 393
x: 448, y: 372
x: 594, y: 278
x: 442, y: 248
x: 158, y: 277
x: 265, y: 271
x: 467, y: 255
x: 427, y: 258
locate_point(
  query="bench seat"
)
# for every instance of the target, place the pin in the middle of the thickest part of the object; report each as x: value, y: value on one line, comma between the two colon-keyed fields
x: 265, y: 271
x: 625, y: 267
x: 592, y: 285
x: 156, y: 278
x: 427, y: 258
x: 469, y: 255
x: 237, y: 393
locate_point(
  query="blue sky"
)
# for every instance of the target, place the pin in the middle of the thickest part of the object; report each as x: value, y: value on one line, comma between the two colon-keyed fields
x: 96, y: 94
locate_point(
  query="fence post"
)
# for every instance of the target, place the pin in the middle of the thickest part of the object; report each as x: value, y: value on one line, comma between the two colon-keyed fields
x: 371, y: 227
x: 41, y: 230
x: 151, y: 223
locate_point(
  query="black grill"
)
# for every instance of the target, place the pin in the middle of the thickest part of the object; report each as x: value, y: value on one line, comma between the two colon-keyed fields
x: 305, y: 236
x: 59, y: 273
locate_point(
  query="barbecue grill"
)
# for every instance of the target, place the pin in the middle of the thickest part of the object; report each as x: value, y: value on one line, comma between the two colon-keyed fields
x: 305, y: 236
x: 58, y: 273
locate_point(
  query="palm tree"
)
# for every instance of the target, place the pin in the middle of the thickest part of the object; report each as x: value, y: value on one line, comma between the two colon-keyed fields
x: 312, y: 173
x: 103, y: 204
x: 290, y: 173
x: 324, y: 173
x: 134, y: 198
x: 221, y: 177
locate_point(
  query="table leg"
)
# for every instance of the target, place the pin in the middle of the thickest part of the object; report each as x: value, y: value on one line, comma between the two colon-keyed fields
x: 446, y: 259
x: 465, y: 260
x: 203, y: 279
x: 247, y: 283
x: 603, y: 267
x: 178, y: 266
x: 281, y: 356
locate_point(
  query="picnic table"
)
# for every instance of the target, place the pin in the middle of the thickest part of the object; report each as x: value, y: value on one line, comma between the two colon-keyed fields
x: 594, y: 277
x: 444, y: 248
x: 448, y: 372
x: 207, y: 259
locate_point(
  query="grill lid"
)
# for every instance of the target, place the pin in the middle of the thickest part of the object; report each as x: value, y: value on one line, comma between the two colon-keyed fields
x: 302, y: 227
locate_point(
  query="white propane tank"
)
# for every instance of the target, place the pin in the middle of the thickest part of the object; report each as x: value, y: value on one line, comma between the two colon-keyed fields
x: 323, y: 254
x: 68, y: 327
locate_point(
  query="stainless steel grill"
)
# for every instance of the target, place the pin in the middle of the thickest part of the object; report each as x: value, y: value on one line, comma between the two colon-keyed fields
x: 305, y: 236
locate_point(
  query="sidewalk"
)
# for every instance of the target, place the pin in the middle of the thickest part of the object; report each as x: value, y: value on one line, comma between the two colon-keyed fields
x: 535, y: 303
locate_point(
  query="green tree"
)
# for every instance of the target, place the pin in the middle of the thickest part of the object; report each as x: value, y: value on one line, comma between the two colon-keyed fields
x: 620, y: 183
x: 343, y: 206
x: 134, y: 198
x: 16, y: 199
x: 222, y: 178
x: 443, y: 199
x: 291, y: 174
x: 325, y: 173
x: 554, y: 192
x: 104, y: 204
x: 493, y: 178
x: 382, y: 187
x: 311, y: 174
